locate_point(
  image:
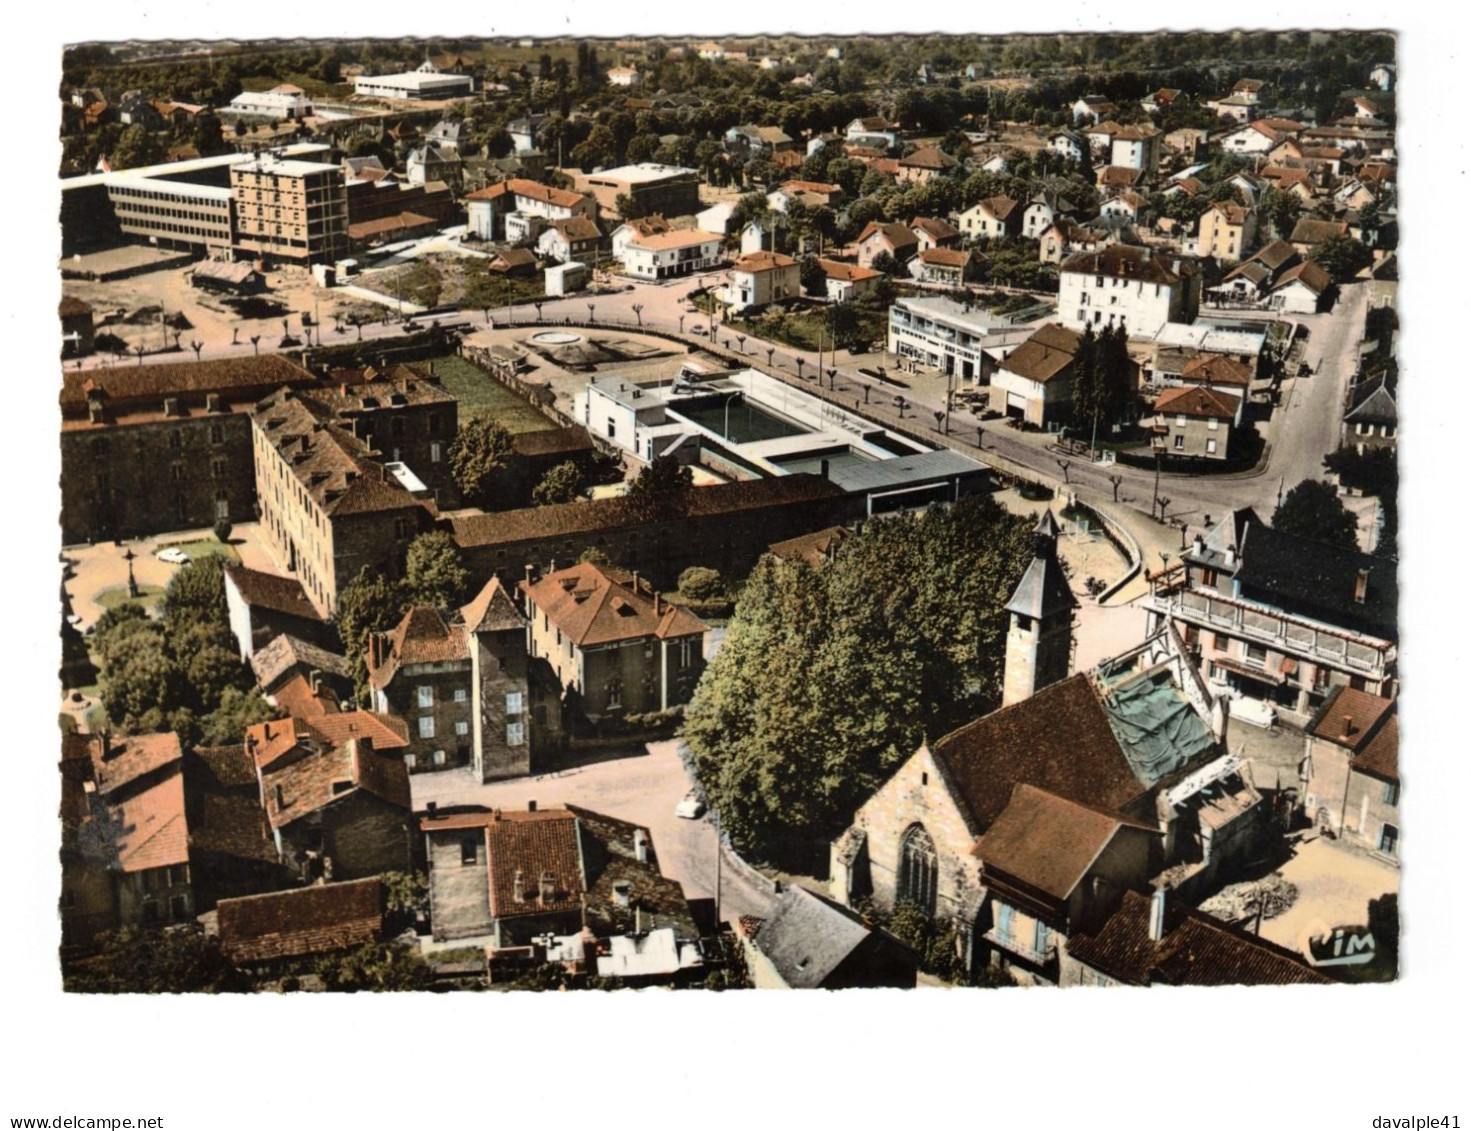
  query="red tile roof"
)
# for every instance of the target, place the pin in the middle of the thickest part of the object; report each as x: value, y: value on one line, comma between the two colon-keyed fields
x: 271, y: 591
x: 421, y: 637
x: 1048, y: 842
x: 1350, y: 718
x: 1124, y: 261
x: 759, y: 261
x: 1059, y: 740
x: 941, y: 230
x: 149, y: 828
x: 594, y: 604
x: 1216, y: 369
x: 290, y: 924
x: 531, y: 190
x: 124, y: 384
x: 119, y: 760
x: 1196, y: 950
x: 897, y: 236
x: 1381, y: 756
x: 349, y: 761
x: 1309, y: 274
x: 1196, y: 400
x: 1045, y: 355
x: 847, y: 272
x: 945, y: 257
x: 562, y: 519
x: 492, y: 610
x: 928, y: 157
x: 532, y: 845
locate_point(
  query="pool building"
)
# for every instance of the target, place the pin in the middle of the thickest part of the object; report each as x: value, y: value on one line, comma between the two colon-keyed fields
x: 744, y: 424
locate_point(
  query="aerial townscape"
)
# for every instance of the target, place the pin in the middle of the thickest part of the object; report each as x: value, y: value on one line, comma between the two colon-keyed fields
x: 824, y: 512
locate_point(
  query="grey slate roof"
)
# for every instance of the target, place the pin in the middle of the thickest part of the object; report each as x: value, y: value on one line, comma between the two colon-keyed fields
x: 1043, y: 590
x: 285, y: 651
x: 806, y: 937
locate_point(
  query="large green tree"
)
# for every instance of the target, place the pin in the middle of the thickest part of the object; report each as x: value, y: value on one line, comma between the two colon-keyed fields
x: 371, y: 602
x: 1313, y: 510
x: 829, y: 678
x: 1342, y: 257
x: 563, y: 483
x: 152, y: 962
x: 435, y: 572
x: 481, y: 449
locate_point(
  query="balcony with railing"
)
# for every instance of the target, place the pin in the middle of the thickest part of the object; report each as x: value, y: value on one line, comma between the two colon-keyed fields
x: 1025, y: 949
x: 1294, y: 635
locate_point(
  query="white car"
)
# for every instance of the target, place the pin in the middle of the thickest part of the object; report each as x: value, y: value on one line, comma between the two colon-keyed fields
x: 172, y: 554
x: 691, y: 808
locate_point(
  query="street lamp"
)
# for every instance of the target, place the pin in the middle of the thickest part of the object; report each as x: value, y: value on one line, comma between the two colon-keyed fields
x: 725, y: 432
x: 128, y: 557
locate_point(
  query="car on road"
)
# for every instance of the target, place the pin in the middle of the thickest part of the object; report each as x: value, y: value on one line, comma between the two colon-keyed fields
x: 690, y: 807
x: 173, y: 555
x: 698, y: 330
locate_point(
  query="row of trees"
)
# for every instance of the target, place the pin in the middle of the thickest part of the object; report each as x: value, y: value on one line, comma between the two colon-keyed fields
x: 829, y: 678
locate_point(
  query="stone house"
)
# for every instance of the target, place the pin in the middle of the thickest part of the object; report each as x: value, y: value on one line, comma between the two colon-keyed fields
x: 329, y: 505
x: 261, y: 607
x: 1153, y: 941
x: 1048, y: 809
x: 924, y: 165
x: 1035, y: 381
x: 488, y: 208
x: 336, y: 793
x: 464, y: 689
x: 1226, y: 232
x: 760, y: 279
x: 150, y: 448
x: 895, y: 239
x: 1136, y: 286
x: 1196, y: 422
x: 1372, y: 421
x: 565, y: 241
x: 514, y: 876
x: 934, y: 233
x: 994, y: 218
x: 612, y: 640
x: 1350, y: 770
x: 808, y: 942
x: 279, y: 926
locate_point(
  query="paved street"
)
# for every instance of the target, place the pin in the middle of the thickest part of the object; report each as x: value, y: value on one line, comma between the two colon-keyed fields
x: 642, y: 788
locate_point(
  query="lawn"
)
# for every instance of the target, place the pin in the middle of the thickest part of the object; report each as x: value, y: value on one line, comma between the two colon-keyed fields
x: 206, y: 548
x: 148, y: 596
x: 801, y: 330
x: 481, y: 395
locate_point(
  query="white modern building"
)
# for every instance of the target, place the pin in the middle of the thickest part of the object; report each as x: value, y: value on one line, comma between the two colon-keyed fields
x: 284, y: 101
x: 425, y: 83
x: 667, y: 255
x: 951, y: 336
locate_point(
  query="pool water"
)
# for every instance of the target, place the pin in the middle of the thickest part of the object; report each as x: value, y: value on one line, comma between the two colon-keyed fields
x: 747, y: 422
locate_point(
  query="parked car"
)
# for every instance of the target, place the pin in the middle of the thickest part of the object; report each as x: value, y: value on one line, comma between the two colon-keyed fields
x: 690, y: 807
x: 173, y: 555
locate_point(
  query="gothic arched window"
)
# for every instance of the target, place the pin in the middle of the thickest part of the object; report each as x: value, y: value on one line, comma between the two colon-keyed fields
x: 918, y: 869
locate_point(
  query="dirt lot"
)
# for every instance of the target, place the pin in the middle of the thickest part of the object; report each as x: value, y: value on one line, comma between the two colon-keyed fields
x: 1334, y: 886
x: 161, y: 310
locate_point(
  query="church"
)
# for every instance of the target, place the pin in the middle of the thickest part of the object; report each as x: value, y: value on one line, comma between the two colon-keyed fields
x: 1031, y: 822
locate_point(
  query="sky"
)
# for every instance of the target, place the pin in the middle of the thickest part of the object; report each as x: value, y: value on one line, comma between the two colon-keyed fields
x: 1339, y: 1057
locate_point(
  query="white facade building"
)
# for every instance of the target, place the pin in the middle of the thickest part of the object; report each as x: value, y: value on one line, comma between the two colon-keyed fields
x: 669, y: 254
x: 1133, y: 285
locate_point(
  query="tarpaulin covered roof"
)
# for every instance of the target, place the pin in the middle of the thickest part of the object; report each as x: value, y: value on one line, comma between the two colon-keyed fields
x: 1156, y: 726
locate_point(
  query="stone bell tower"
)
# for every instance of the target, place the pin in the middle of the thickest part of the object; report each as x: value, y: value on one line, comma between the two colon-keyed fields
x: 1039, y: 642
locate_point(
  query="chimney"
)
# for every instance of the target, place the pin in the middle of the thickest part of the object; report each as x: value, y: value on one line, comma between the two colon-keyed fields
x: 641, y: 846
x: 546, y: 888
x: 531, y: 806
x: 657, y: 609
x: 635, y: 581
x: 1157, y: 915
x: 1348, y: 726
x: 1199, y: 545
x: 518, y: 887
x: 1361, y: 586
x: 315, y: 679
x: 432, y: 807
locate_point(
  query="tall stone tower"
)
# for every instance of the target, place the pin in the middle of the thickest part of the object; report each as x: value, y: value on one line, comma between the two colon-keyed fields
x: 1039, y: 642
